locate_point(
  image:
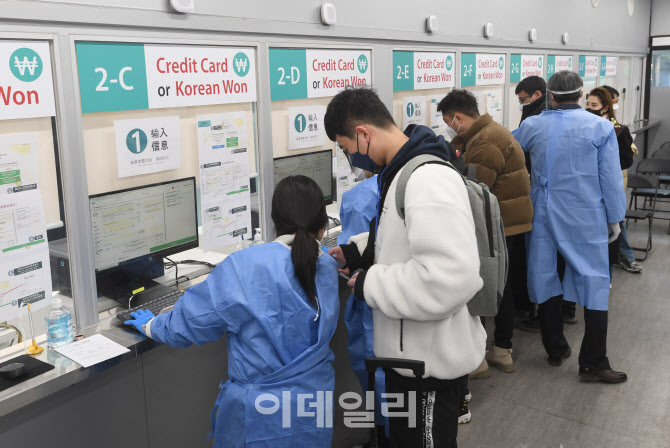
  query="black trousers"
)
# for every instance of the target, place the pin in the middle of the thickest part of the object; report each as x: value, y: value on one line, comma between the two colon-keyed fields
x: 516, y: 290
x: 593, y: 353
x: 436, y: 417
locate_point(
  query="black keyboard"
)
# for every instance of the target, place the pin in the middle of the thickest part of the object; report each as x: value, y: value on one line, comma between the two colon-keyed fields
x: 155, y: 306
x: 330, y: 241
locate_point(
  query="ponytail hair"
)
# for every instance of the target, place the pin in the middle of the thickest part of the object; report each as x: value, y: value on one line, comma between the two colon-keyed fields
x: 298, y: 207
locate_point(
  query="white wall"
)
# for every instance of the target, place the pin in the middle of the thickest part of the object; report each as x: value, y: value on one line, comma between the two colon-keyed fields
x: 460, y: 22
x: 660, y: 18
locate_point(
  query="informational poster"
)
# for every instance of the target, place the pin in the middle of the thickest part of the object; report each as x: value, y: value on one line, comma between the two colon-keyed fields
x: 418, y: 70
x: 223, y: 151
x: 19, y: 164
x: 305, y: 127
x: 414, y: 110
x: 524, y: 65
x: 315, y: 73
x: 22, y: 223
x: 494, y: 102
x: 556, y: 63
x: 480, y: 69
x: 25, y: 277
x: 147, y: 145
x: 588, y: 67
x: 129, y: 76
x: 437, y: 123
x: 26, y: 83
x: 608, y: 65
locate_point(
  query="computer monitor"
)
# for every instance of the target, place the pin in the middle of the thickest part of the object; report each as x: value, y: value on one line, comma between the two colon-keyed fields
x: 134, y: 228
x: 315, y: 165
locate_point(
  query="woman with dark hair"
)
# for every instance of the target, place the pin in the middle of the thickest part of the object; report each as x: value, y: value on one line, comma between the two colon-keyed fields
x: 599, y: 102
x: 278, y: 304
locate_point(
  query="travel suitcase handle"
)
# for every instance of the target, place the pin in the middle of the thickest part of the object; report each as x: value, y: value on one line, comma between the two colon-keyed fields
x: 418, y: 367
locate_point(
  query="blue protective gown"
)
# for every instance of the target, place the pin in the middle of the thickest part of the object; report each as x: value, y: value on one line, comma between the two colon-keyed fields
x: 576, y: 190
x: 358, y: 208
x: 275, y: 345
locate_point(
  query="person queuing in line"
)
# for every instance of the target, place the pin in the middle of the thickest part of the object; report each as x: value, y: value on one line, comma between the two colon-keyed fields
x: 599, y: 103
x: 278, y: 303
x: 499, y: 162
x: 578, y: 198
x: 416, y: 278
x: 532, y: 95
x: 357, y: 210
x: 627, y: 259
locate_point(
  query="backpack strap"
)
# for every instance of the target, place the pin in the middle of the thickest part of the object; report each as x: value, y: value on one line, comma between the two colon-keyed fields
x: 406, y: 173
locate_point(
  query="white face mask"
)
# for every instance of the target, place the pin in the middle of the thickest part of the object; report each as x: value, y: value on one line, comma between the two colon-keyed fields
x: 615, y: 106
x: 521, y: 106
x: 450, y: 132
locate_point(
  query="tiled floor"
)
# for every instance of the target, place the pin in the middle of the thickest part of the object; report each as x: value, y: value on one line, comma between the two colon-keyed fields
x: 540, y: 406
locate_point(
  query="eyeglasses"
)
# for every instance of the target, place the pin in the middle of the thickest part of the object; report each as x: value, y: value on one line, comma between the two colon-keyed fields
x: 523, y: 100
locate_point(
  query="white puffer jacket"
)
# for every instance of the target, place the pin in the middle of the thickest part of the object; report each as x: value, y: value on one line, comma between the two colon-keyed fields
x: 426, y: 270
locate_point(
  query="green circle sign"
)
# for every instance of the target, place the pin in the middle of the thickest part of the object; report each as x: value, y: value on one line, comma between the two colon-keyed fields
x: 241, y: 64
x: 450, y: 62
x: 539, y: 62
x: 25, y: 64
x: 501, y: 63
x: 410, y: 109
x: 136, y: 141
x: 362, y: 63
x: 300, y: 123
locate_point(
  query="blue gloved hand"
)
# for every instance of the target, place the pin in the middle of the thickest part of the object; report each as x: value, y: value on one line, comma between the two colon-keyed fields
x: 141, y: 317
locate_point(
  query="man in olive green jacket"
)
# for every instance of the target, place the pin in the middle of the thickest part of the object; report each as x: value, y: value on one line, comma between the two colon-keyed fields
x: 499, y: 162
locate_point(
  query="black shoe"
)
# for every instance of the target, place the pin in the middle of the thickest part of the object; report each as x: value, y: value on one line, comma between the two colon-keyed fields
x: 531, y: 325
x: 569, y: 319
x: 629, y: 266
x: 559, y: 360
x: 465, y: 415
x: 607, y: 376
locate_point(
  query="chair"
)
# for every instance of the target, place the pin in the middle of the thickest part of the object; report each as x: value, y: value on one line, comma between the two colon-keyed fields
x: 658, y: 168
x: 663, y: 153
x: 638, y: 182
x: 666, y: 145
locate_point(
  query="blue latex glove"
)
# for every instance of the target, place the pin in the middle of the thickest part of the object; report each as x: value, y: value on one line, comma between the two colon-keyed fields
x: 141, y: 317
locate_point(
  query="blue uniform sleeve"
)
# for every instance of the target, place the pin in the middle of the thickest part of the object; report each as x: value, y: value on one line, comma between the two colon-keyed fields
x: 204, y: 313
x: 356, y: 212
x: 519, y: 135
x: 611, y: 178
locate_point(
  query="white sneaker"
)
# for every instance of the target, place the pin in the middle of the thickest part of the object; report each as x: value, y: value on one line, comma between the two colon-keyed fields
x: 468, y: 397
x: 466, y: 415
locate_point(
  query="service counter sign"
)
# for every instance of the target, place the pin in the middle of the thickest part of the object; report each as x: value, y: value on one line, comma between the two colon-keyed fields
x: 588, y: 67
x: 304, y: 73
x: 524, y: 65
x: 418, y: 70
x: 557, y: 64
x: 126, y: 76
x: 26, y: 83
x: 479, y: 69
x: 608, y: 65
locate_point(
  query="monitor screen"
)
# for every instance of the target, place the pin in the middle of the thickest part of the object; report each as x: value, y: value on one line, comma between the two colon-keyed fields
x: 315, y: 165
x: 158, y: 220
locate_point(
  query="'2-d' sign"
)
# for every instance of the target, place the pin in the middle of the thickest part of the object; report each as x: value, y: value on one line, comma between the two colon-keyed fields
x: 26, y: 84
x: 304, y: 73
x: 415, y: 70
x: 126, y: 76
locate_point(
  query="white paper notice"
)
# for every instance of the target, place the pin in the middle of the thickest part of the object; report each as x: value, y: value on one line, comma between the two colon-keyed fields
x: 21, y: 222
x: 494, y: 105
x: 148, y: 145
x: 25, y: 277
x: 92, y: 350
x: 224, y: 179
x: 437, y: 123
x: 19, y: 166
x: 413, y: 111
x: 305, y: 127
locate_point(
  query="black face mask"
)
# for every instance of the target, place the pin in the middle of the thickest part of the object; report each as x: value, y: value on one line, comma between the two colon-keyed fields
x: 595, y: 112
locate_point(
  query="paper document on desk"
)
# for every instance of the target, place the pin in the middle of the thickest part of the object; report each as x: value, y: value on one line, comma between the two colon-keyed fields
x: 92, y: 350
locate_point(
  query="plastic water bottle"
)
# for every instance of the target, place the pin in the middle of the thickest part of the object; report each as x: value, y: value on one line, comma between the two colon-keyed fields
x: 59, y: 325
x: 257, y: 238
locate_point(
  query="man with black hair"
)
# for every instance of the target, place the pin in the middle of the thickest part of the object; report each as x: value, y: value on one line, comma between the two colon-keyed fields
x: 614, y: 93
x: 417, y: 274
x: 532, y: 94
x: 579, y: 200
x: 498, y: 160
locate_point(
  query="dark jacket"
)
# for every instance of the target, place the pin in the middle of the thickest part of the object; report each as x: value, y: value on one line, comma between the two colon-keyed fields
x: 535, y: 108
x: 500, y: 164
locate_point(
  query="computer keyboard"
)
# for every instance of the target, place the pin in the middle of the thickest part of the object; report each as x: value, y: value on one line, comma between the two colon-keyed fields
x: 155, y: 306
x: 330, y: 241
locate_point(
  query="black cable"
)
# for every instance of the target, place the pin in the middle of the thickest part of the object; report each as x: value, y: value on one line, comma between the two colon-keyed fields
x: 176, y: 272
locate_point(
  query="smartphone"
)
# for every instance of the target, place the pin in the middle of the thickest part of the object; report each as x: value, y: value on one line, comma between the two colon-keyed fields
x: 341, y: 264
